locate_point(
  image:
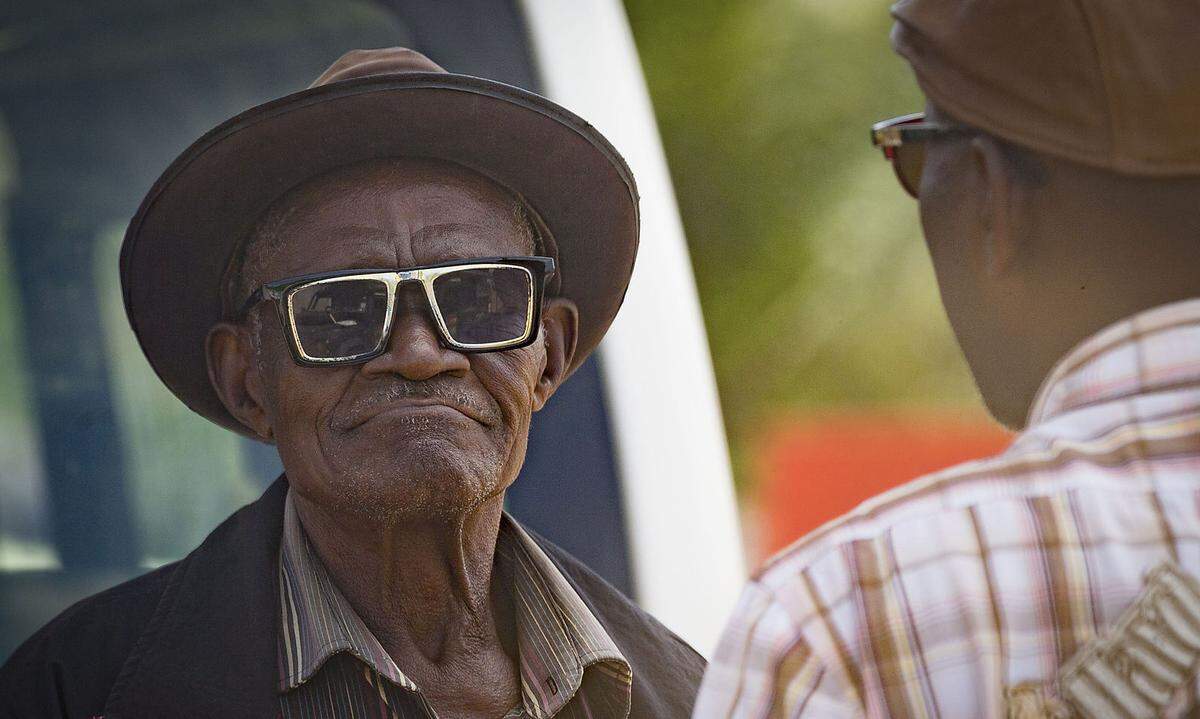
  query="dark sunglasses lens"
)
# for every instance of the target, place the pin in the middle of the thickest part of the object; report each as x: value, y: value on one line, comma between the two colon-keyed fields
x: 340, y: 319
x: 483, y: 306
x: 909, y: 162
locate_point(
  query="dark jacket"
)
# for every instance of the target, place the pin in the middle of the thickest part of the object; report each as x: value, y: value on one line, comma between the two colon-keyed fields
x: 197, y: 638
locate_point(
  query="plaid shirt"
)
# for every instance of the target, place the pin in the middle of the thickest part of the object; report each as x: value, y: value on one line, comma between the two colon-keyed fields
x: 1054, y: 580
x: 331, y: 665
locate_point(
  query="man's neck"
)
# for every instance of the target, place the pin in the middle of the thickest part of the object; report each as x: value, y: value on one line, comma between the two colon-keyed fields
x: 424, y: 588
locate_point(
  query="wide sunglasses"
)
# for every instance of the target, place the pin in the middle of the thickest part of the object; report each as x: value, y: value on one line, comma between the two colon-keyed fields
x: 902, y: 140
x: 346, y: 317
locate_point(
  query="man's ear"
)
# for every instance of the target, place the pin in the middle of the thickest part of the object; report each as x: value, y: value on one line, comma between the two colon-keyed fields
x: 234, y: 375
x: 995, y: 178
x: 560, y: 331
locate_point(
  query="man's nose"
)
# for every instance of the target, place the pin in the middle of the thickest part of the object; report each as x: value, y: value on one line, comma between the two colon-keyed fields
x: 414, y: 350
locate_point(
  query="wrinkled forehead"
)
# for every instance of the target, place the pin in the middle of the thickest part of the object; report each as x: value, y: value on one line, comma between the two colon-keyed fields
x: 394, y: 213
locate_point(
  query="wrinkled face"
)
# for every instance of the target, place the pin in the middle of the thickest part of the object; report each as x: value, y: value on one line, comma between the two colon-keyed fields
x: 421, y: 429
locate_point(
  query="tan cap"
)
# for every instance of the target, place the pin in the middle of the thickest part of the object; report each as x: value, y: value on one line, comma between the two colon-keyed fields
x: 1108, y: 83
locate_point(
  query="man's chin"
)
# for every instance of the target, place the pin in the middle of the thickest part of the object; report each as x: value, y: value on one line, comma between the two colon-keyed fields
x: 404, y: 473
x: 421, y: 489
x: 1005, y: 405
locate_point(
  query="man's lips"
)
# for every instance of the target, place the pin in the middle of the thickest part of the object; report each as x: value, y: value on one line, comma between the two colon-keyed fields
x: 412, y: 406
x: 407, y: 407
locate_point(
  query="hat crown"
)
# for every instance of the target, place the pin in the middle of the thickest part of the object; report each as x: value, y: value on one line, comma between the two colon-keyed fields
x: 378, y: 61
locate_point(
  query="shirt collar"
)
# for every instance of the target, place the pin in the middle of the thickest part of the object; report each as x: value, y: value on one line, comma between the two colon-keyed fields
x: 562, y: 647
x: 558, y: 637
x: 1155, y: 350
x: 316, y: 620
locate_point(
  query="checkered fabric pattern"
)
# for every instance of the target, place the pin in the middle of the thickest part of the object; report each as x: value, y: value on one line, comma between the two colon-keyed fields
x: 965, y: 593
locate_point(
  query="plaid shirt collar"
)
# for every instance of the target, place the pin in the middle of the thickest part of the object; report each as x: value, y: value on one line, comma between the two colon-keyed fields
x: 559, y: 640
x: 1156, y: 350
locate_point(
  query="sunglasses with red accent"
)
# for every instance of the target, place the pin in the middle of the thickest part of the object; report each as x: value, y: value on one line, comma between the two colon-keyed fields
x: 902, y: 140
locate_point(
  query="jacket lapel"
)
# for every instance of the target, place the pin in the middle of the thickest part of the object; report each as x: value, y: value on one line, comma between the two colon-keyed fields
x: 210, y: 648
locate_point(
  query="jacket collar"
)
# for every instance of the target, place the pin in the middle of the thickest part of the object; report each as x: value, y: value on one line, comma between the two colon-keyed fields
x: 209, y: 648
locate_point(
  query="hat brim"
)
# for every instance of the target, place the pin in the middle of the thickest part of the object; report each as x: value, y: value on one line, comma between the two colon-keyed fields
x: 180, y: 241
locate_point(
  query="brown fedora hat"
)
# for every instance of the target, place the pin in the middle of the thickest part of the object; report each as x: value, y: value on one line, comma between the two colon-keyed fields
x: 369, y: 104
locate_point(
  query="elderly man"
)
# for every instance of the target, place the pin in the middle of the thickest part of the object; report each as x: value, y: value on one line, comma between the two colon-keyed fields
x: 383, y: 275
x: 1057, y: 169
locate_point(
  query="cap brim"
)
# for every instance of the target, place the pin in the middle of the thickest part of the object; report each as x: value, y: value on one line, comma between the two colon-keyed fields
x: 178, y: 244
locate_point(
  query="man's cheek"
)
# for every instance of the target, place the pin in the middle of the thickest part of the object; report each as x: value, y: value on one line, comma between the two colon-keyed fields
x: 301, y: 405
x: 511, y: 377
x: 526, y: 366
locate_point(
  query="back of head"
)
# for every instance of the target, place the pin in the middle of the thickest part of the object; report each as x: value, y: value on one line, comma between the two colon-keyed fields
x: 1070, y: 201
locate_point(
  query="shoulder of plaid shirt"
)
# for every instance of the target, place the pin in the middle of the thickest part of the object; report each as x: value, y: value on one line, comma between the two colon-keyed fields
x: 942, y: 597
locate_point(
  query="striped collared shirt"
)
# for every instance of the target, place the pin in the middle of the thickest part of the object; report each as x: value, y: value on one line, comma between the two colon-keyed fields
x: 1054, y: 580
x: 331, y: 665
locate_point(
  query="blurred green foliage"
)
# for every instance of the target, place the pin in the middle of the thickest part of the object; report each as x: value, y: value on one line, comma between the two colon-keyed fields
x: 813, y: 277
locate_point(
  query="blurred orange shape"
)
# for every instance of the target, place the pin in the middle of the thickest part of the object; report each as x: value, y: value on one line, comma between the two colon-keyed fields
x: 819, y: 468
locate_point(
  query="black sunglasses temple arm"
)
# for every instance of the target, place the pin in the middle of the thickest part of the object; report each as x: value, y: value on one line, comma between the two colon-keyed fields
x: 548, y: 269
x: 260, y: 295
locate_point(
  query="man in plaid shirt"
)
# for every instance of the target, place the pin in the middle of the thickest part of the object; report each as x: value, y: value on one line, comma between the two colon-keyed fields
x: 1057, y: 167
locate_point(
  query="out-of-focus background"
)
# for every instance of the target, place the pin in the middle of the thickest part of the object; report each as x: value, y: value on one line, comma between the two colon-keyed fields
x: 836, y: 375
x: 837, y: 371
